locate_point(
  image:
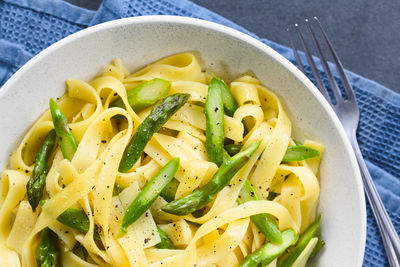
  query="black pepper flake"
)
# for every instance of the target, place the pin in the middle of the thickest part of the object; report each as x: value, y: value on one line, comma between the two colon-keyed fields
x: 115, y: 94
x: 216, y: 109
x: 26, y: 171
x: 147, y: 240
x: 104, y: 141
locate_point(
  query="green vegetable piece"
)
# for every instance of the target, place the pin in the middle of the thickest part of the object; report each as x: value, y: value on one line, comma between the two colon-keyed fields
x: 264, y: 222
x: 296, y: 250
x: 116, y: 190
x: 320, y: 244
x: 225, y: 155
x: 198, y: 213
x: 200, y: 197
x: 149, y: 194
x: 169, y: 191
x: 47, y: 254
x: 299, y: 152
x: 77, y: 220
x: 268, y: 252
x: 165, y: 243
x: 80, y: 251
x: 159, y: 115
x: 145, y: 94
x: 298, y: 143
x: 233, y: 149
x: 36, y: 183
x: 230, y: 105
x: 66, y: 139
x: 214, y: 111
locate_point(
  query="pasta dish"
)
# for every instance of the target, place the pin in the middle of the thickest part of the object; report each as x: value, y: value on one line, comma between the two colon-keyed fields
x: 166, y: 166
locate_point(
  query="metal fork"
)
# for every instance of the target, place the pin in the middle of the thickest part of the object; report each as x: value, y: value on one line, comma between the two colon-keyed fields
x: 348, y: 113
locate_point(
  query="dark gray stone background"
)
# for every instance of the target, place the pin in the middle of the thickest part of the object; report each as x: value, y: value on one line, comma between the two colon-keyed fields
x: 365, y: 33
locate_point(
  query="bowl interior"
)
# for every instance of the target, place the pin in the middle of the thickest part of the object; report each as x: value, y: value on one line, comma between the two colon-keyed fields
x: 228, y: 53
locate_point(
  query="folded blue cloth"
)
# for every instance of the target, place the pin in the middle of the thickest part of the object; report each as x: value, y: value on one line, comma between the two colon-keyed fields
x: 27, y: 27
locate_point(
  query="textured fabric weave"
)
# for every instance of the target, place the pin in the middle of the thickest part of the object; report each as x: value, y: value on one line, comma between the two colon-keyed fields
x: 27, y: 27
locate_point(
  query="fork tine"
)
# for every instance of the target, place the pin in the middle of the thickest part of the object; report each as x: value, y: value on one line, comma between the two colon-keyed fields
x: 324, y: 62
x: 314, y: 69
x: 346, y: 84
x: 296, y: 55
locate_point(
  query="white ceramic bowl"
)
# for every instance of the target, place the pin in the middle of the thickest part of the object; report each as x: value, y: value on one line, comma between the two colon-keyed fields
x: 228, y: 53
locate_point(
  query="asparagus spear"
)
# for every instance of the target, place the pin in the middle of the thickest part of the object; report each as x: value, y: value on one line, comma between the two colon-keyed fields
x: 214, y: 111
x: 145, y: 94
x: 77, y: 220
x: 158, y: 116
x: 169, y: 191
x: 233, y: 149
x: 293, y: 153
x: 225, y: 155
x: 201, y: 197
x: 296, y: 250
x: 165, y: 243
x: 47, y: 254
x: 80, y: 251
x: 35, y: 185
x: 149, y: 194
x: 230, y: 105
x: 116, y: 190
x: 299, y: 152
x: 320, y: 244
x: 264, y: 222
x: 268, y: 252
x: 66, y: 139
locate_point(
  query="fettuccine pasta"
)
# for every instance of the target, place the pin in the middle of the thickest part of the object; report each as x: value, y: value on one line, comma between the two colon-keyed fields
x: 220, y: 234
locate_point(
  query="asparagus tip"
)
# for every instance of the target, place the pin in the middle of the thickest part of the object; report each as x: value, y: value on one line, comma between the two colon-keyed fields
x: 122, y: 231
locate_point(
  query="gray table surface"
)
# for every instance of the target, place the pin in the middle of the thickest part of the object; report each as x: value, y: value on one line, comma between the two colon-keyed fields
x: 365, y: 33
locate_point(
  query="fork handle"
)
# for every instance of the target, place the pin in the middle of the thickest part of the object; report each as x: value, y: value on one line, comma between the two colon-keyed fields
x: 389, y: 235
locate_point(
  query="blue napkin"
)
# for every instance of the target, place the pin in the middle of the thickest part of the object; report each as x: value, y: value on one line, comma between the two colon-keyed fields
x: 27, y: 27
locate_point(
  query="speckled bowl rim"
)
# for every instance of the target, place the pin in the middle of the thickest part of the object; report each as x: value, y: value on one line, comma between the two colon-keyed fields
x: 235, y: 34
